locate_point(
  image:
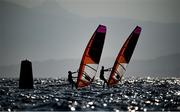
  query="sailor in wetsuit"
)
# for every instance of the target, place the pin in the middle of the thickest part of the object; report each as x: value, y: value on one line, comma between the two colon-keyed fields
x: 70, y: 78
x: 102, y: 75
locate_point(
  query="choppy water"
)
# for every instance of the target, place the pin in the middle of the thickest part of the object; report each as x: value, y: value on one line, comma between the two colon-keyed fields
x: 55, y: 94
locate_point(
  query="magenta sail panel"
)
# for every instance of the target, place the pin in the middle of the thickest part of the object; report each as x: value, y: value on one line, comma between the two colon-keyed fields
x: 101, y: 29
x: 137, y: 30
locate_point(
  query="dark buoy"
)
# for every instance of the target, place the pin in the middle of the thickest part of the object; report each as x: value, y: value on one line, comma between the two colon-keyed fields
x: 26, y: 76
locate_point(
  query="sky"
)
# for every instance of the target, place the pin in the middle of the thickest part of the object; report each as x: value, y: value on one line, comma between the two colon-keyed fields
x: 145, y: 10
x: 42, y: 30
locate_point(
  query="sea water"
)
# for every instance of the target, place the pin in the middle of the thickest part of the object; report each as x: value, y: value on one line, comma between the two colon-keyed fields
x: 132, y: 94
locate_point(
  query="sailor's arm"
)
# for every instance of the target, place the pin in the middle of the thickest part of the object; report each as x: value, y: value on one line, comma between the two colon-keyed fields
x: 108, y: 69
x: 75, y: 72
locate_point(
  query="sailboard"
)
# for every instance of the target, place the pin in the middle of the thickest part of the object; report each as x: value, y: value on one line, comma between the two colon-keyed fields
x: 124, y: 57
x: 91, y: 58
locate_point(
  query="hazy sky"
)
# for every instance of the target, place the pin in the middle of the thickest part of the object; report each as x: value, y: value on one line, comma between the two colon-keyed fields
x: 146, y: 10
x: 60, y: 29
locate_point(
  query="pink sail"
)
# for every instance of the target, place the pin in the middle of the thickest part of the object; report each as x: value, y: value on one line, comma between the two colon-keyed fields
x: 91, y: 57
x: 124, y: 57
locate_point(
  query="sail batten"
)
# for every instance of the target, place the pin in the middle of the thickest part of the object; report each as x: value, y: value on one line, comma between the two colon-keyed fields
x: 91, y: 58
x: 124, y: 57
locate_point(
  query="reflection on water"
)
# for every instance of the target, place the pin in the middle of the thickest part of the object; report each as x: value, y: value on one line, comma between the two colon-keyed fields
x: 133, y: 94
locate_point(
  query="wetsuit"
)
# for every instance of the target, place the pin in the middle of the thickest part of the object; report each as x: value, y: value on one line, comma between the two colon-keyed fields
x: 70, y: 79
x: 102, y: 75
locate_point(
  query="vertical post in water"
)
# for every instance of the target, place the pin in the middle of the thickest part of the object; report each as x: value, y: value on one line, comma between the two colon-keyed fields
x: 26, y: 75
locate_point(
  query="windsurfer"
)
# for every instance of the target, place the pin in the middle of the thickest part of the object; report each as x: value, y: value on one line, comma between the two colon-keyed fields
x: 70, y: 78
x: 102, y: 75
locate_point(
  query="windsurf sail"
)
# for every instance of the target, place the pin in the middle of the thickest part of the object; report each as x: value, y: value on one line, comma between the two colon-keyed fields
x: 124, y: 57
x: 91, y: 57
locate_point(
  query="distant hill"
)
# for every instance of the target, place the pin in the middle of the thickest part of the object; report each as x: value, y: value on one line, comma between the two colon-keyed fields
x: 161, y: 66
x: 164, y: 66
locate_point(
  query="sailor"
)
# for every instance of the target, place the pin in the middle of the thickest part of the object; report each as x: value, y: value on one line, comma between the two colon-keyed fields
x: 102, y: 75
x: 70, y: 78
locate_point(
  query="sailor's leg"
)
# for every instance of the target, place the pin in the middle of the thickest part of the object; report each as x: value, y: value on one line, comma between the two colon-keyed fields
x: 90, y: 87
x: 72, y: 85
x: 104, y: 85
